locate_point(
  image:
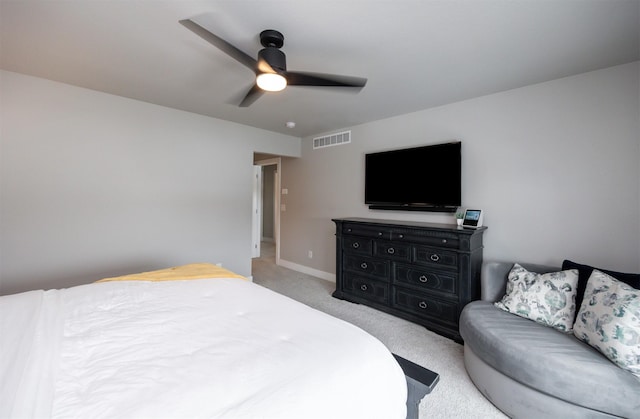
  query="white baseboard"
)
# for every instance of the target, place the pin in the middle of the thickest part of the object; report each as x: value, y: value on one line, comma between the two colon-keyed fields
x: 307, y: 270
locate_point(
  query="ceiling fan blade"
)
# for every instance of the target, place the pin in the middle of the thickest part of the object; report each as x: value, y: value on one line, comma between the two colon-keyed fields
x: 252, y: 95
x: 297, y: 78
x: 220, y: 43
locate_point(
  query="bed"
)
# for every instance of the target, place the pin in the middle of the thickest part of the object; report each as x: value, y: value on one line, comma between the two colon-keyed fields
x: 215, y: 346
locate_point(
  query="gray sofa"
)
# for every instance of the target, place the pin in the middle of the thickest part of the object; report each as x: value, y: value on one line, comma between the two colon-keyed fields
x: 528, y: 370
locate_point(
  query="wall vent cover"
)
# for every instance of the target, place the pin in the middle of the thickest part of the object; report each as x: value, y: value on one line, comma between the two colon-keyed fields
x: 338, y: 138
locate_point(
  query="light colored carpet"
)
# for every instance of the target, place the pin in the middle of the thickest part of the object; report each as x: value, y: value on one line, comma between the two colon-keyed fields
x: 454, y: 396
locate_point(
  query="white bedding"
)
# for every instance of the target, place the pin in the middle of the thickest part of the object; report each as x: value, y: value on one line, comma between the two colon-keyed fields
x: 217, y: 348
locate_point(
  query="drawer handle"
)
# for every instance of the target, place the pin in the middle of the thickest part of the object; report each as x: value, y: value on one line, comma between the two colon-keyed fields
x: 364, y: 265
x: 423, y: 278
x: 391, y: 250
x: 356, y: 245
x: 363, y: 287
x: 349, y: 230
x: 401, y: 236
x: 379, y: 233
x: 434, y: 257
x: 422, y: 305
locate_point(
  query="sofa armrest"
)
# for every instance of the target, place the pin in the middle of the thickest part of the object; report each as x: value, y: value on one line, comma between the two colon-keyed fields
x: 493, y: 280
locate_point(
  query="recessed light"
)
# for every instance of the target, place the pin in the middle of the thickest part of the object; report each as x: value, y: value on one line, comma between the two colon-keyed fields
x: 290, y: 124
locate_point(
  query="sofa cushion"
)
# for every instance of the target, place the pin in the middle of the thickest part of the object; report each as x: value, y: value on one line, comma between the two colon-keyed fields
x: 585, y: 273
x: 548, y: 299
x: 554, y: 363
x: 609, y: 320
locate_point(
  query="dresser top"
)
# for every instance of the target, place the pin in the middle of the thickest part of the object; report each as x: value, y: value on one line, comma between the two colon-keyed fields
x: 419, y: 224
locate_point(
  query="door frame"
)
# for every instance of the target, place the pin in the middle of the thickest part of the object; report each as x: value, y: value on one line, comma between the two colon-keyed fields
x: 256, y: 216
x: 277, y: 161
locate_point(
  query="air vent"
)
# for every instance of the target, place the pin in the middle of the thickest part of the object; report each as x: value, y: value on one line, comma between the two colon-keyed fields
x: 331, y: 140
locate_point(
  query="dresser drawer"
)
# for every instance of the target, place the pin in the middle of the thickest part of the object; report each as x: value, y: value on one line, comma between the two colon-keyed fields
x: 369, y: 266
x: 423, y: 278
x: 366, y: 288
x: 424, y: 305
x: 426, y: 237
x: 395, y: 251
x: 436, y: 257
x: 358, y: 245
x: 366, y: 231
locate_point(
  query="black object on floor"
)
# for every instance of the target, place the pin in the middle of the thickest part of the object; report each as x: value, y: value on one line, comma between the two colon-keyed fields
x: 420, y: 382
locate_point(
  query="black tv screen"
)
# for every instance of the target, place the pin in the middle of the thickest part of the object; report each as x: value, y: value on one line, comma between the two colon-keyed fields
x: 423, y: 178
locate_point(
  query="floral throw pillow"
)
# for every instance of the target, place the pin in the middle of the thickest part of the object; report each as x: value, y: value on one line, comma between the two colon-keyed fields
x: 609, y: 320
x: 549, y: 299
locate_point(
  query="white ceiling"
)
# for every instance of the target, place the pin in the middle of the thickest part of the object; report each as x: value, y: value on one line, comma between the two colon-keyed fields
x: 415, y: 54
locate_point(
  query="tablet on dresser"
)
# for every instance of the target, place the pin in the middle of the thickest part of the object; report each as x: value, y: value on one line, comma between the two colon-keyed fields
x: 472, y: 218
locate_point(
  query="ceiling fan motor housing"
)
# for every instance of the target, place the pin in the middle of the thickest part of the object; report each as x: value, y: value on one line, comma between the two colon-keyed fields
x: 274, y: 57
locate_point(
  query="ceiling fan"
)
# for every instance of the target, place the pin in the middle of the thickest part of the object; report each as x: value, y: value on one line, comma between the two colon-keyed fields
x: 271, y: 66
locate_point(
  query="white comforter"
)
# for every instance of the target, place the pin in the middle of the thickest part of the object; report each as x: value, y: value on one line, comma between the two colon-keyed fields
x: 221, y: 348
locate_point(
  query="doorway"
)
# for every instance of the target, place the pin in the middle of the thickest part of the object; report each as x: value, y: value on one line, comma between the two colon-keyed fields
x: 266, y: 221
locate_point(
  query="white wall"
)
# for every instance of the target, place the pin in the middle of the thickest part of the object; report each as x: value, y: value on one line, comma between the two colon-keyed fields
x: 94, y: 185
x: 554, y: 165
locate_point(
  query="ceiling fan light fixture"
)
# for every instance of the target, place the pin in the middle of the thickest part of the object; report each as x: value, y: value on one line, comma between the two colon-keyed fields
x: 271, y: 82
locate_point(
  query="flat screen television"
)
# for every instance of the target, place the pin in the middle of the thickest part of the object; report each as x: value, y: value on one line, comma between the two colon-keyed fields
x: 423, y: 178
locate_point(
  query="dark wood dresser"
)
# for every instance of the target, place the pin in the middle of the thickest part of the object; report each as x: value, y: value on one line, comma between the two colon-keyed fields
x: 425, y: 273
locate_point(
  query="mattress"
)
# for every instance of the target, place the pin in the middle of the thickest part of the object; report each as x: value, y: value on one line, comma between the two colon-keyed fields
x: 215, y: 348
